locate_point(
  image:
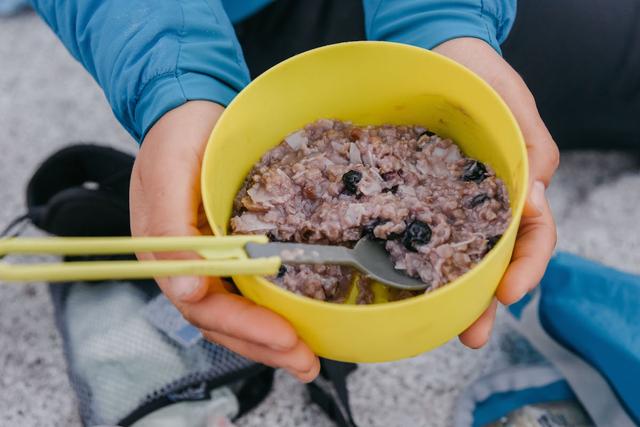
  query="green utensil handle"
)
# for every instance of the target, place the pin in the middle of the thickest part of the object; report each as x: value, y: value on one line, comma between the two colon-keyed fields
x: 116, y: 270
x: 125, y: 245
x: 224, y: 256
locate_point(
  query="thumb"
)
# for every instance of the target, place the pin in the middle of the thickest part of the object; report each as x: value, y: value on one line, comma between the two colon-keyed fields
x: 536, y: 200
x: 164, y: 214
x: 165, y: 189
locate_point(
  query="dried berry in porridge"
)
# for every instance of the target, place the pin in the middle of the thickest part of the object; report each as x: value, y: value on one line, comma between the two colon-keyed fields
x: 416, y: 233
x: 351, y: 180
x: 474, y: 171
x: 437, y: 211
x: 492, y: 241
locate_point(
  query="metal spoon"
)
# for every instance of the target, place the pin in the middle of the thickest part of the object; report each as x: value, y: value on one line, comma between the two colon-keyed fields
x: 222, y: 256
x: 367, y: 256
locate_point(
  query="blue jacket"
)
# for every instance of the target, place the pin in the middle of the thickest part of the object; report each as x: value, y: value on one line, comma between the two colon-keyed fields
x: 151, y: 56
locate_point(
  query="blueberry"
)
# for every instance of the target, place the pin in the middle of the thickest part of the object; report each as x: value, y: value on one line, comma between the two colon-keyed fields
x: 282, y: 271
x: 394, y: 236
x: 392, y: 190
x: 474, y: 171
x: 367, y: 230
x: 306, y: 234
x: 388, y: 176
x: 478, y: 200
x: 491, y: 241
x: 426, y: 133
x: 351, y: 180
x: 417, y: 233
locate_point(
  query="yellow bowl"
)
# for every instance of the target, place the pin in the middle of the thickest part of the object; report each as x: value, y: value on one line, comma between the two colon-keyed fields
x: 370, y: 83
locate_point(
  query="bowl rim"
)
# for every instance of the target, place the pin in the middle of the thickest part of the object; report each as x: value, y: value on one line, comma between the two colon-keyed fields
x: 448, y: 287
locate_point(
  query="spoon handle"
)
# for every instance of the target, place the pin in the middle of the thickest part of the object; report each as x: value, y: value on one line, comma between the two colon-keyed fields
x: 294, y: 253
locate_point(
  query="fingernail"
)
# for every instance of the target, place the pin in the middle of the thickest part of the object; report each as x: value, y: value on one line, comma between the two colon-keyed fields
x: 299, y: 376
x: 537, y: 196
x: 517, y: 300
x: 184, y: 287
x: 524, y: 293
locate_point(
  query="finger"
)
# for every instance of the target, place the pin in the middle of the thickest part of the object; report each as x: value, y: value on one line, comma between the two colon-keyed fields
x: 483, y: 60
x: 534, y: 205
x: 542, y: 151
x: 165, y: 188
x: 544, y: 159
x: 167, y: 174
x: 171, y: 211
x: 235, y: 316
x: 533, y: 250
x: 478, y: 334
x: 147, y: 220
x: 543, y: 154
x: 183, y: 289
x: 299, y: 360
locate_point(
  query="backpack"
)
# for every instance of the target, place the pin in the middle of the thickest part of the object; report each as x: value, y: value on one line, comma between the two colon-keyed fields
x: 129, y: 352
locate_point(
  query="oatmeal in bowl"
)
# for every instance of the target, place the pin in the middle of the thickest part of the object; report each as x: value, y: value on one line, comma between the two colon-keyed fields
x: 436, y: 211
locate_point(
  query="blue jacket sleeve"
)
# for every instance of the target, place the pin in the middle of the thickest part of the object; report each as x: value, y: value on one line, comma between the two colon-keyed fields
x: 428, y: 23
x: 151, y: 56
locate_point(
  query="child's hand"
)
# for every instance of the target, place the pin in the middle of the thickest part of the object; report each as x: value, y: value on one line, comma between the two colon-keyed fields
x: 537, y: 234
x: 165, y: 201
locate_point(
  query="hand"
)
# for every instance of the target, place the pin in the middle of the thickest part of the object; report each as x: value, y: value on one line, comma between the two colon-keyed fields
x: 165, y: 201
x: 537, y: 234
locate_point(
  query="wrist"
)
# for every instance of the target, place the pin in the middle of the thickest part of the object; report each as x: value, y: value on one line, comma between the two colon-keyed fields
x: 479, y: 57
x: 175, y: 144
x: 184, y: 127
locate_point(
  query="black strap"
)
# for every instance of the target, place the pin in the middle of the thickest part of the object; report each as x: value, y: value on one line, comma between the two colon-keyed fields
x: 252, y: 375
x: 16, y: 226
x: 254, y: 391
x: 337, y: 407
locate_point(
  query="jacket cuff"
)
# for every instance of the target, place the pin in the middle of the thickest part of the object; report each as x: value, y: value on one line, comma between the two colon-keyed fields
x: 432, y: 28
x: 166, y: 92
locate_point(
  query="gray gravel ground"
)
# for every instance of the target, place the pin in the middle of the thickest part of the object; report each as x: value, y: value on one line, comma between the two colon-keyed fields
x: 47, y: 101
